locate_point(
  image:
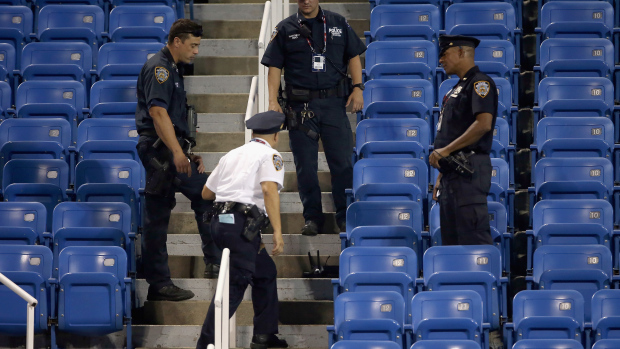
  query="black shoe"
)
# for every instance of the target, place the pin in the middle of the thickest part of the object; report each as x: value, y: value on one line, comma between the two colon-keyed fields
x: 310, y: 229
x: 170, y: 293
x: 212, y: 271
x: 264, y: 341
x: 342, y: 226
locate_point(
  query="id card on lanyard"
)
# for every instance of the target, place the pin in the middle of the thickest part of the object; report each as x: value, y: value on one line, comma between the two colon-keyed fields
x: 318, y: 59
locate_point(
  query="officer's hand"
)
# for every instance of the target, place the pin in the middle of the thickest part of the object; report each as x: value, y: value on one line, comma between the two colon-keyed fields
x: 275, y: 106
x: 433, y: 160
x: 198, y: 160
x: 436, y: 188
x: 278, y: 244
x: 357, y: 98
x: 183, y: 164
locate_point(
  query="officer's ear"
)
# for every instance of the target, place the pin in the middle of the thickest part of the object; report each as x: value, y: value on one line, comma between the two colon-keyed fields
x: 177, y: 41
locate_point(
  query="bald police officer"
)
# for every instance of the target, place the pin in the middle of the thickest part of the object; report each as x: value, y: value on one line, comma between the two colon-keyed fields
x: 245, y: 186
x: 466, y: 122
x: 164, y: 149
x: 314, y: 47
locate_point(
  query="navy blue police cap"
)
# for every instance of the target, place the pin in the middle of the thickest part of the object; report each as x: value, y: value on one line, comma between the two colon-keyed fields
x: 266, y: 123
x: 447, y: 41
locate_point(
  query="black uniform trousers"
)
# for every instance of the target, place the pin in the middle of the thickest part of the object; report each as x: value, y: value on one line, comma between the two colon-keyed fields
x: 157, y: 210
x: 464, y: 215
x: 248, y: 266
x: 332, y: 123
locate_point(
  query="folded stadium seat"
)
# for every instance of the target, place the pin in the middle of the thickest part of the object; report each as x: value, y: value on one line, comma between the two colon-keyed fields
x: 368, y: 316
x: 113, y: 99
x: 416, y: 59
x: 476, y: 268
x: 448, y: 315
x: 376, y: 269
x: 370, y: 213
x: 116, y: 149
x: 570, y: 222
x: 606, y: 314
x: 547, y: 344
x: 607, y: 344
x: 30, y: 267
x: 93, y: 224
x: 391, y: 98
x: 575, y: 19
x: 124, y: 60
x: 583, y: 268
x: 36, y: 180
x: 446, y: 344
x: 517, y: 4
x: 57, y: 61
x: 114, y: 180
x: 7, y: 66
x: 551, y: 314
x: 501, y: 190
x: 107, y: 130
x: 352, y: 344
x: 94, y: 295
x: 141, y: 23
x: 23, y: 223
x: 392, y: 138
x: 486, y: 20
x: 385, y: 235
x: 82, y: 23
x: 5, y: 99
x: 35, y: 139
x: 16, y: 25
x: 404, y: 22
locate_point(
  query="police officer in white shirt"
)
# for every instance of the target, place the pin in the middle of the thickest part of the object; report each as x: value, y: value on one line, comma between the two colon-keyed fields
x: 245, y: 186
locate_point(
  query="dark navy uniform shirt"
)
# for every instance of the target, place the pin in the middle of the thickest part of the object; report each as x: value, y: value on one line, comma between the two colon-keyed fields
x: 290, y: 51
x: 161, y: 84
x: 474, y: 94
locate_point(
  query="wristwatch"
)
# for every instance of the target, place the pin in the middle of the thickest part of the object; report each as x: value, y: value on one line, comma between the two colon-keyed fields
x: 360, y: 85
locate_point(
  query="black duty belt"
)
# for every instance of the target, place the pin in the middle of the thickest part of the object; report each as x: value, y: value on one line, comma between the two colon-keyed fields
x: 312, y: 94
x: 232, y: 206
x: 183, y: 142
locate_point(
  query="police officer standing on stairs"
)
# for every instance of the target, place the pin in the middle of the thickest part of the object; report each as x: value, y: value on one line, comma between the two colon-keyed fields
x: 164, y: 148
x: 245, y: 185
x: 464, y: 132
x: 314, y: 47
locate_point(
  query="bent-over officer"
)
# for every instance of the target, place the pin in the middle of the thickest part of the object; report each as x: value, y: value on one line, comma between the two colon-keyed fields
x: 464, y: 130
x: 314, y: 47
x: 245, y: 186
x: 164, y: 149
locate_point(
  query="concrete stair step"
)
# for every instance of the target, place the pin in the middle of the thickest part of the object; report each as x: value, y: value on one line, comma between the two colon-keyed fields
x: 247, y: 29
x: 294, y: 244
x: 289, y: 203
x: 200, y: 85
x: 214, y: 11
x: 227, y: 48
x: 288, y: 289
x: 228, y: 65
x: 220, y: 102
x: 192, y: 267
x: 234, y: 122
x: 211, y: 159
x: 193, y: 313
x: 184, y: 223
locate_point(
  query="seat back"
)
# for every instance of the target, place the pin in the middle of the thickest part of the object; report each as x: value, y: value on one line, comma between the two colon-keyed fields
x: 498, y: 218
x: 388, y: 90
x: 500, y: 174
x: 69, y: 17
x: 158, y: 17
x: 93, y: 259
x: 371, y: 130
x: 606, y: 313
x: 124, y: 60
x: 117, y: 171
x: 18, y: 19
x: 24, y: 214
x: 471, y: 19
x: 552, y: 303
x: 591, y: 53
x: 575, y: 128
x: 365, y: 344
x: 577, y: 19
x: 606, y: 344
x: 547, y: 212
x: 576, y: 89
x: 497, y: 51
x: 369, y: 213
x: 378, y: 259
x: 44, y: 92
x: 397, y: 171
x: 425, y: 15
x: 585, y: 257
x: 107, y: 130
x: 575, y: 171
x: 461, y: 259
x: 110, y: 91
x: 446, y: 305
x: 446, y: 344
x: 36, y: 259
x: 547, y: 344
x: 32, y: 130
x: 5, y: 98
x: 415, y: 51
x: 7, y: 62
x: 38, y: 171
x: 369, y: 306
x: 92, y: 214
x: 51, y: 53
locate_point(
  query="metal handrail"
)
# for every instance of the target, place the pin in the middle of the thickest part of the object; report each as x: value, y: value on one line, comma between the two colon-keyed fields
x: 32, y: 303
x: 263, y: 40
x: 224, y: 328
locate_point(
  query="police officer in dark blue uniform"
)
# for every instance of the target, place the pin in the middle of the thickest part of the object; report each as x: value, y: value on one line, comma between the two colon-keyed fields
x: 164, y: 149
x: 245, y: 185
x: 314, y: 47
x: 465, y: 126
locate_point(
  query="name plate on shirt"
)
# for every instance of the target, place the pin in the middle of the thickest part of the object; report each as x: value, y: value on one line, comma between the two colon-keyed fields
x: 228, y: 218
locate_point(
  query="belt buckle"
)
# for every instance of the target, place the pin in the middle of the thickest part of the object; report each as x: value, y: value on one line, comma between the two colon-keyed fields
x: 322, y: 94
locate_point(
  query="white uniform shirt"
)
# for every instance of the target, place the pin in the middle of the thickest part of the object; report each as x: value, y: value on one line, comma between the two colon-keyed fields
x: 239, y: 173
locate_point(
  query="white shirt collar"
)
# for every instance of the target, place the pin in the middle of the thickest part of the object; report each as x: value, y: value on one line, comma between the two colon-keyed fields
x: 266, y: 143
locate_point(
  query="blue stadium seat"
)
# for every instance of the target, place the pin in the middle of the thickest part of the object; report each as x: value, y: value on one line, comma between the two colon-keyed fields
x: 140, y: 23
x: 39, y: 4
x: 388, y: 98
x: 517, y: 4
x: 501, y: 147
x: 607, y: 344
x: 23, y: 223
x: 83, y: 23
x: 385, y: 235
x: 577, y: 96
x: 7, y: 66
x: 177, y: 5
x: 448, y: 315
x: 548, y: 344
x: 497, y: 58
x: 124, y: 60
x: 368, y: 316
x: 107, y: 130
x: 446, y: 344
x: 113, y: 99
x: 95, y: 294
x: 476, y: 268
x: 606, y: 314
x: 401, y: 60
x: 365, y: 344
x: 117, y: 149
x: 584, y: 268
x: 16, y: 25
x: 374, y: 3
x: 501, y: 191
x: 369, y: 213
x: 30, y: 267
x: 57, y: 61
x: 5, y: 99
x: 392, y: 138
x: 570, y: 222
x: 575, y: 19
x: 549, y: 314
x: 404, y: 22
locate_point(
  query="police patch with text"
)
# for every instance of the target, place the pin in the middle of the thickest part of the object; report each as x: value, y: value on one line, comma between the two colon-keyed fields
x: 161, y: 74
x: 482, y: 88
x: 278, y: 163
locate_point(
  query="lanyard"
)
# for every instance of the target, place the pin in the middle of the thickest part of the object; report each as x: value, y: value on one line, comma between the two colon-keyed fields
x: 258, y: 140
x: 324, y: 33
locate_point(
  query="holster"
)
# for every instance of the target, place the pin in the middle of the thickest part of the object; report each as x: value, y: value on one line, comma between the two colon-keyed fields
x: 458, y: 163
x: 255, y: 223
x: 192, y: 122
x: 160, y: 181
x: 293, y: 123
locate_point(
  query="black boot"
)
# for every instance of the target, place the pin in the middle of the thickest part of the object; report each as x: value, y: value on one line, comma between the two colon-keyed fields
x: 170, y: 293
x: 310, y: 229
x: 264, y: 341
x: 212, y: 271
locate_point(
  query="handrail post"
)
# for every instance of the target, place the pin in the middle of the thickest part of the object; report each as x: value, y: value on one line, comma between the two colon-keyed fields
x: 32, y: 303
x: 222, y: 302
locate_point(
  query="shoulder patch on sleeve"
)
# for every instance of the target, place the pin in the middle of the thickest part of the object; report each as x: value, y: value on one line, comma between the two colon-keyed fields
x: 278, y: 163
x: 161, y: 74
x: 273, y: 34
x: 482, y: 88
